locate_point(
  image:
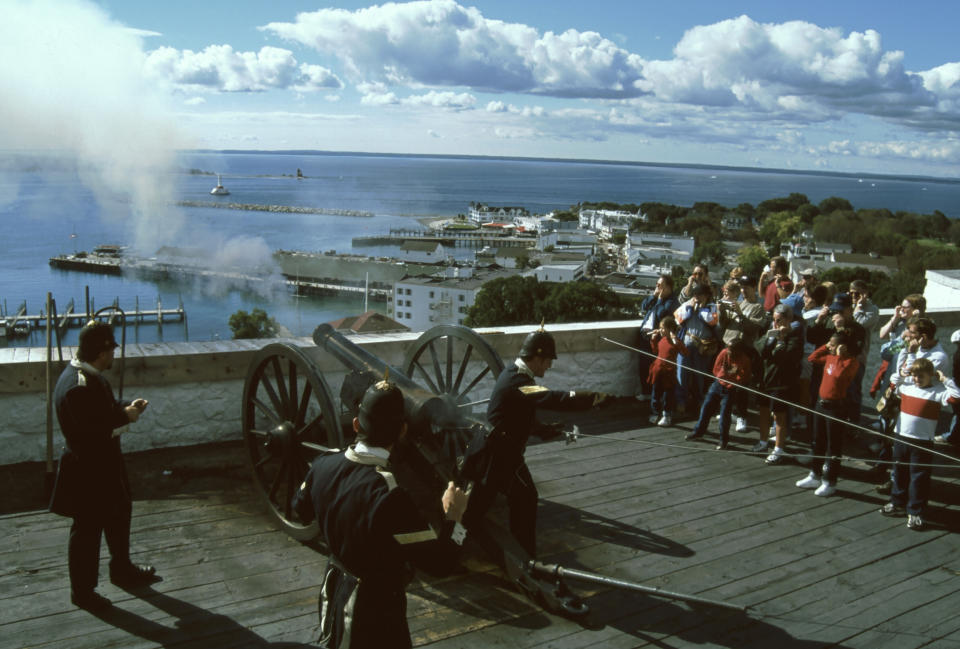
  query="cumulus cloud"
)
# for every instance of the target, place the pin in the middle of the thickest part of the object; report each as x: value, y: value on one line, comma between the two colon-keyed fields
x: 441, y: 43
x: 936, y: 152
x: 794, y: 71
x: 219, y: 67
x: 800, y: 71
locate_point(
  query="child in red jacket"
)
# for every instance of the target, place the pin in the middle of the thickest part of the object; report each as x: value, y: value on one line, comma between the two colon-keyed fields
x: 731, y: 369
x: 839, y: 370
x: 663, y: 371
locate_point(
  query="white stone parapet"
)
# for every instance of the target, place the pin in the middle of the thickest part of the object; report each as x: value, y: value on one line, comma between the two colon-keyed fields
x: 195, y: 390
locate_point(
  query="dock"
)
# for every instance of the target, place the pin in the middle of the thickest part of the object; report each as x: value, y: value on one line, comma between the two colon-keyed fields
x: 637, y: 502
x: 451, y: 238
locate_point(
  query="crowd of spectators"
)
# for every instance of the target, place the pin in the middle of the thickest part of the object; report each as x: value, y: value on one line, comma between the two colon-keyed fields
x: 802, y: 349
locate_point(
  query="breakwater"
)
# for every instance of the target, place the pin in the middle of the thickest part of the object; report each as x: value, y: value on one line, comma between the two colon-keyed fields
x: 287, y: 209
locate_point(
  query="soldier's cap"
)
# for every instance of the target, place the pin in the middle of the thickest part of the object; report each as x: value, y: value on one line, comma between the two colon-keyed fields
x: 539, y: 343
x: 95, y: 337
x: 841, y: 301
x: 381, y: 414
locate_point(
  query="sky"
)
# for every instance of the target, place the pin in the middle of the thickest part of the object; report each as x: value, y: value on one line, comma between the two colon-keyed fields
x: 844, y: 85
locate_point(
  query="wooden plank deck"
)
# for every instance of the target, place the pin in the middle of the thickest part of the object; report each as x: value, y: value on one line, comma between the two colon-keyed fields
x: 639, y: 504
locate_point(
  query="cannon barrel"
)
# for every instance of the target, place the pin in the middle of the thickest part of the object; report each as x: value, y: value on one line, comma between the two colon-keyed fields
x: 426, y: 411
x: 559, y: 572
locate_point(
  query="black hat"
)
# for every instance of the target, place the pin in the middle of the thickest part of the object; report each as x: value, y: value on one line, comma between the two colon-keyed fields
x: 539, y: 343
x: 841, y: 301
x: 95, y: 337
x: 381, y: 414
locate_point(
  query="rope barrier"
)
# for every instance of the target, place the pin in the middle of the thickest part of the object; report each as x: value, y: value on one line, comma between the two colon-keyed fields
x: 700, y: 449
x: 798, y: 406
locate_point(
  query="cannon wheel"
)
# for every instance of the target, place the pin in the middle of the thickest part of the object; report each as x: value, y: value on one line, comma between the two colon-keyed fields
x: 288, y: 418
x: 440, y: 357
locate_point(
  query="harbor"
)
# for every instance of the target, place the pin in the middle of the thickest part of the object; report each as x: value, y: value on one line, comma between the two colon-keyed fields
x: 453, y: 238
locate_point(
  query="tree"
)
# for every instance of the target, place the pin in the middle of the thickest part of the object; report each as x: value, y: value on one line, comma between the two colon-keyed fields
x: 753, y: 259
x: 834, y: 203
x: 256, y: 324
x: 506, y: 301
x: 582, y: 301
x: 712, y: 252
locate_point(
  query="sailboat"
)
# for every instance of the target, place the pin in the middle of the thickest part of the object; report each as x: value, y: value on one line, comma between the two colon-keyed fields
x: 219, y: 190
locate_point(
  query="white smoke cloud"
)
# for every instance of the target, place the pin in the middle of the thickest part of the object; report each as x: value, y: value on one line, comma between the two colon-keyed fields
x: 73, y: 87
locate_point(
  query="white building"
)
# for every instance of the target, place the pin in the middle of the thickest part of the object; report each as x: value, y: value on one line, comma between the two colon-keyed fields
x: 424, y: 301
x: 422, y: 252
x: 510, y: 257
x: 943, y: 289
x: 480, y: 213
x: 680, y: 243
x: 558, y: 272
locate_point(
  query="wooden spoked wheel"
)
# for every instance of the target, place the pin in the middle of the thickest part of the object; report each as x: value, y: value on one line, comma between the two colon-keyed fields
x: 452, y: 360
x: 288, y: 418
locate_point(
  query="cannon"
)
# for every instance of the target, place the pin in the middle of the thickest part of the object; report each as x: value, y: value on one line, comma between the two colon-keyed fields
x: 290, y: 415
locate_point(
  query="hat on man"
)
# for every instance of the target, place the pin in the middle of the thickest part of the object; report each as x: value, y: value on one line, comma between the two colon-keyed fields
x: 955, y: 336
x: 539, y: 343
x: 380, y: 414
x: 808, y: 272
x: 95, y: 337
x: 841, y: 301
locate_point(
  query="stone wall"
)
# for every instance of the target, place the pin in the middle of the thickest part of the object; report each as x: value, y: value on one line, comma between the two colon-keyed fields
x: 195, y: 389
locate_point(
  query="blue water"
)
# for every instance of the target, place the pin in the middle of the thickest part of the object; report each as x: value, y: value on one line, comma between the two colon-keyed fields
x: 39, y: 210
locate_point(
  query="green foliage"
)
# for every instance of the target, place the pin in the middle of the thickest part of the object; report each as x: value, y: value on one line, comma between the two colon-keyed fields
x: 619, y: 238
x: 506, y: 301
x: 566, y: 215
x: 753, y: 259
x: 633, y: 208
x: 582, y: 301
x: 834, y: 203
x: 712, y: 252
x: 256, y: 324
x: 790, y: 203
x: 779, y: 227
x: 524, y: 300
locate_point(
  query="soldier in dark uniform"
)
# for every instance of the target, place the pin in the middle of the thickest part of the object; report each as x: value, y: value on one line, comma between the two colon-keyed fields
x: 92, y: 485
x: 373, y: 529
x: 494, y: 460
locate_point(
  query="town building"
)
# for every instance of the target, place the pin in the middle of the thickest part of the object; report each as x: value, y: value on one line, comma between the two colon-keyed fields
x: 942, y: 289
x: 422, y: 252
x: 481, y: 213
x: 424, y: 301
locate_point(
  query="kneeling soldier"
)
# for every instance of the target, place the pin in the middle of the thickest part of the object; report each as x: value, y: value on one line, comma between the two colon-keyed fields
x: 372, y: 528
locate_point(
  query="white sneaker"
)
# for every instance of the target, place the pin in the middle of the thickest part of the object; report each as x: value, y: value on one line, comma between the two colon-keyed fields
x: 741, y: 424
x: 666, y: 420
x: 810, y: 482
x: 825, y: 489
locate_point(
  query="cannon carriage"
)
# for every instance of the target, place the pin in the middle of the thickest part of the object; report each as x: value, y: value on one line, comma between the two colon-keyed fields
x: 290, y: 415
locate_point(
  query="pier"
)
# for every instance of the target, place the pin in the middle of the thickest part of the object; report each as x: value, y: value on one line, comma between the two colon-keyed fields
x: 22, y: 323
x: 453, y: 238
x: 154, y: 269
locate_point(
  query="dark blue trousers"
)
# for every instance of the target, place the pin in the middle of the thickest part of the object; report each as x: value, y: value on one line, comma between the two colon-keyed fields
x: 717, y: 397
x: 911, y: 482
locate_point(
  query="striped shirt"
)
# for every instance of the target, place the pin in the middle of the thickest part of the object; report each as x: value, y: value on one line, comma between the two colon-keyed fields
x: 920, y: 407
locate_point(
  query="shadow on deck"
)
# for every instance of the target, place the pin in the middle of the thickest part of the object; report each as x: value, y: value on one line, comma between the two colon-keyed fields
x: 638, y: 503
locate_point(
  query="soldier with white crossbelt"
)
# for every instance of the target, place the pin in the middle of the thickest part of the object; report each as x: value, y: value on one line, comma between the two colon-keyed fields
x: 373, y: 529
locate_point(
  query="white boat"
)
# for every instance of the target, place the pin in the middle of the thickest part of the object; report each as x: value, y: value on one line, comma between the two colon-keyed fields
x: 219, y: 190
